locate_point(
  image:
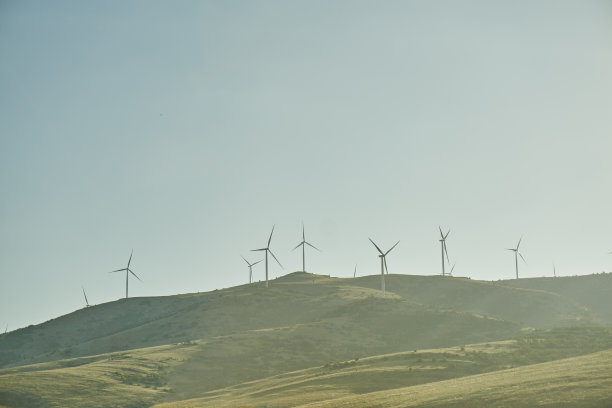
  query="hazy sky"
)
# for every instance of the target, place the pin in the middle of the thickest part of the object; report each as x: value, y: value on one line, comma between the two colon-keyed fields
x: 185, y: 130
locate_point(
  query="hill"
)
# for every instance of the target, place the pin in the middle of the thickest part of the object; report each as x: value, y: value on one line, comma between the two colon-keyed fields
x: 405, y: 369
x: 593, y: 291
x: 142, y: 377
x: 293, y: 299
x: 579, y: 382
x: 218, y: 344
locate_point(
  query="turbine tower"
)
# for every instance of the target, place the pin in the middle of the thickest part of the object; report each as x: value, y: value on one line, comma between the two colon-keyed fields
x: 127, y: 273
x: 86, y: 301
x: 303, y: 245
x: 444, y: 249
x: 383, y: 264
x: 355, y: 272
x: 516, y: 255
x: 267, y: 249
x: 250, y: 268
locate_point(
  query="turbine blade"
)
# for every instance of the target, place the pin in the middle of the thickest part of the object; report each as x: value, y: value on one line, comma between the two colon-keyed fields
x: 522, y: 257
x: 510, y: 249
x: 245, y: 260
x: 519, y: 243
x: 385, y: 263
x: 130, y: 271
x: 255, y: 263
x: 392, y: 248
x: 447, y: 234
x: 119, y: 270
x: 260, y: 249
x: 271, y: 253
x: 441, y: 234
x: 453, y: 267
x: 303, y: 234
x: 381, y: 252
x: 272, y: 232
x: 130, y: 260
x: 310, y: 245
x: 297, y: 246
x: 446, y: 252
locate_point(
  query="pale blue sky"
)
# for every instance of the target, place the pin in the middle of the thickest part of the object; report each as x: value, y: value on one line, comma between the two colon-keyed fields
x: 185, y: 130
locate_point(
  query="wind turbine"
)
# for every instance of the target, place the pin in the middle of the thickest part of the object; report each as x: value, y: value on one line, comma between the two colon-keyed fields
x: 444, y: 249
x: 250, y: 268
x: 516, y: 255
x: 383, y: 264
x: 86, y: 301
x: 267, y: 249
x: 554, y: 271
x: 303, y: 245
x: 127, y: 273
x: 355, y: 272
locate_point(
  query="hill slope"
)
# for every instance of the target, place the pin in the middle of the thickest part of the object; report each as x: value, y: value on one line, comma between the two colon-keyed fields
x: 139, y: 378
x: 214, y: 341
x: 291, y: 300
x: 593, y: 291
x: 399, y: 370
x: 579, y: 382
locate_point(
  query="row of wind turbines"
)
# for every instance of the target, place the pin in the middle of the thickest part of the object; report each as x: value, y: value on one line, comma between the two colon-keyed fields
x: 381, y: 254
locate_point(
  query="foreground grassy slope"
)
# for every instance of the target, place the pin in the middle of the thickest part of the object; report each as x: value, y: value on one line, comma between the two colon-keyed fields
x: 291, y: 300
x: 125, y: 379
x: 578, y: 382
x: 398, y: 370
x: 143, y: 377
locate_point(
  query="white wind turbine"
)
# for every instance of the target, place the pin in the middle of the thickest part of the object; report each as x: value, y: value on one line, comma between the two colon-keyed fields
x: 383, y: 264
x: 127, y: 273
x: 444, y: 249
x: 516, y: 255
x: 250, y: 268
x: 303, y: 245
x: 267, y: 249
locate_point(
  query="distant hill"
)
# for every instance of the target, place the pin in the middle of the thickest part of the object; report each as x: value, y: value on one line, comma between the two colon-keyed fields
x: 525, y: 306
x: 593, y: 291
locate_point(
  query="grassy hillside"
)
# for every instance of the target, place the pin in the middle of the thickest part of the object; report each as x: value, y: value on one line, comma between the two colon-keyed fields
x: 126, y: 379
x: 142, y: 377
x: 291, y: 300
x: 525, y: 306
x: 593, y: 291
x: 359, y: 376
x: 232, y: 345
x: 579, y: 382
